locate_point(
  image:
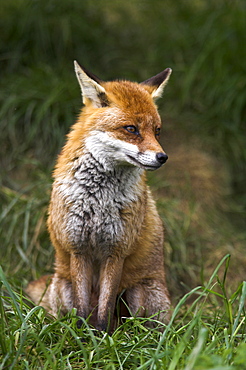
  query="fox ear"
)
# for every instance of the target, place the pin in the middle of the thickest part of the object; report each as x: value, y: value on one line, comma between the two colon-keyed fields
x: 158, y: 82
x: 91, y: 87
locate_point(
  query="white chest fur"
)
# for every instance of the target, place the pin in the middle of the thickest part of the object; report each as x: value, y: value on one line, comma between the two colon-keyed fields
x: 94, y: 199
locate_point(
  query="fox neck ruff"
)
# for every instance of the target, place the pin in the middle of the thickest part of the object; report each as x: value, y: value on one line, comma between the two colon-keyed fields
x: 96, y: 200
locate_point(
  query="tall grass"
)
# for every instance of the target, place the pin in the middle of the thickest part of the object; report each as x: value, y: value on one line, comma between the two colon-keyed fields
x: 203, y: 335
x: 40, y: 98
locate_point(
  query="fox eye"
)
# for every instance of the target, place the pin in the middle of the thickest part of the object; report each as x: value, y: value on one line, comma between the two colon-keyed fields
x: 132, y: 129
x: 157, y: 132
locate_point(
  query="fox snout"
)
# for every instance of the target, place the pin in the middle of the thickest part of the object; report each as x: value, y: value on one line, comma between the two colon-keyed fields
x: 150, y: 160
x: 107, y: 149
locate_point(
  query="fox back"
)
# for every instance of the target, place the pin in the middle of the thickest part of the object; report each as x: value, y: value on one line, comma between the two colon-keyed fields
x: 103, y: 221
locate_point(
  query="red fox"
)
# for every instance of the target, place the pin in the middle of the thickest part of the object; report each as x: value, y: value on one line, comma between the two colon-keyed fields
x: 103, y: 221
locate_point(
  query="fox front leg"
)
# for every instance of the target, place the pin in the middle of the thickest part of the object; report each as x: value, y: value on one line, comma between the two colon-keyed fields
x: 110, y: 277
x: 81, y: 276
x: 148, y: 298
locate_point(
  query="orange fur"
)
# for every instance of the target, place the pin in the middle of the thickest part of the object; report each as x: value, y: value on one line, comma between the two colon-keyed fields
x: 103, y: 220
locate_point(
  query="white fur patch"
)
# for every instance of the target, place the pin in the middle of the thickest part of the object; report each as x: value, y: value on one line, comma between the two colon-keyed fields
x: 110, y: 151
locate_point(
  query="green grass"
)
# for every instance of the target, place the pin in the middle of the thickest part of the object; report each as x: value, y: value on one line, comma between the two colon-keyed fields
x: 209, y: 333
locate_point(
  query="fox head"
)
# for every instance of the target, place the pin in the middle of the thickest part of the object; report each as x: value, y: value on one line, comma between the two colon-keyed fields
x: 120, y: 120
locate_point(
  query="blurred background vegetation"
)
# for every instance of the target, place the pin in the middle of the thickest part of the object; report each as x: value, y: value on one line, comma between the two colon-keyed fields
x: 200, y: 191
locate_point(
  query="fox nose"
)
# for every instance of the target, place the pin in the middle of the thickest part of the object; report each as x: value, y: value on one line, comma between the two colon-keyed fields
x: 162, y: 157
